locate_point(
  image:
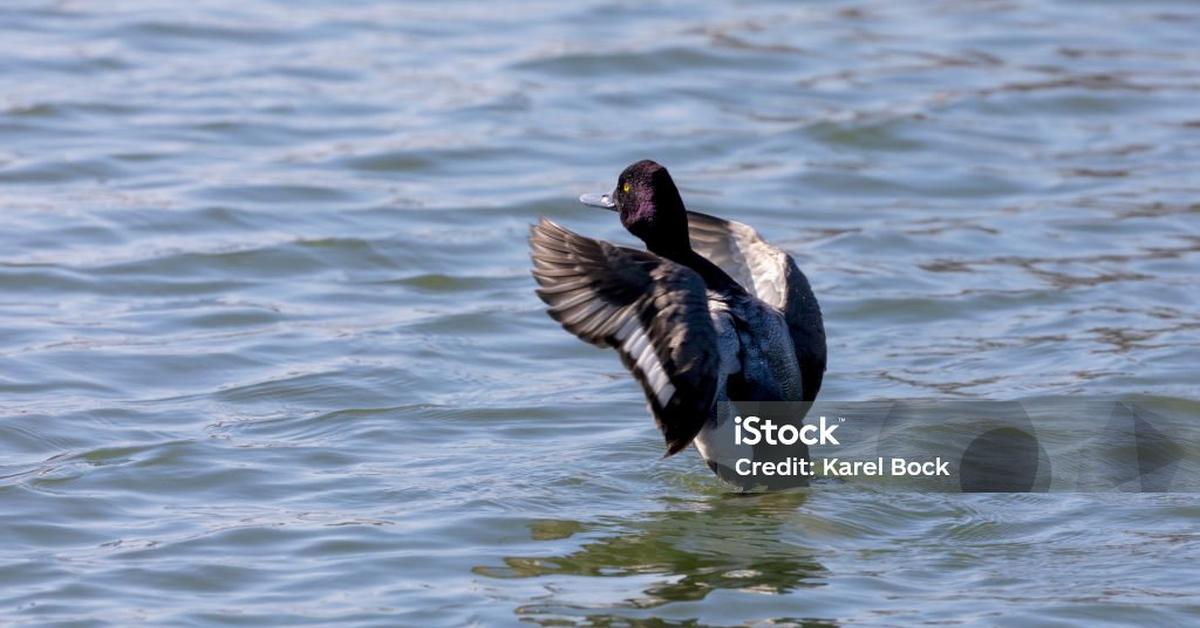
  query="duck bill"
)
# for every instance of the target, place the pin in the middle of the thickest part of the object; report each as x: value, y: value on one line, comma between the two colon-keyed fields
x: 604, y: 201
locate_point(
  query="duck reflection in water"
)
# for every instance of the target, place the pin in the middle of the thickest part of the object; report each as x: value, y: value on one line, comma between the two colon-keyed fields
x: 731, y: 542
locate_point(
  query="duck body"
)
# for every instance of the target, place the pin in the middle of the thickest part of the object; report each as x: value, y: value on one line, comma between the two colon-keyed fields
x: 757, y: 363
x: 709, y: 313
x: 757, y: 360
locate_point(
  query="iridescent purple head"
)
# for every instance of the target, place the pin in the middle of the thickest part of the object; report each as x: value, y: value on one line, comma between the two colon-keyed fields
x: 650, y: 207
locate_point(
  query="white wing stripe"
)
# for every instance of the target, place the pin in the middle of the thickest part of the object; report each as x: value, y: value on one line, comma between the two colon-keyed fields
x: 663, y: 390
x: 639, y: 349
x: 636, y: 346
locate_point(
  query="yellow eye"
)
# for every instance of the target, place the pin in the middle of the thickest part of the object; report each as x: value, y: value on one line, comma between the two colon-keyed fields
x: 625, y: 188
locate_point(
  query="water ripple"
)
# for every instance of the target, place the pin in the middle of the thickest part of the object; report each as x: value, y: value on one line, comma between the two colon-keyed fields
x: 272, y: 353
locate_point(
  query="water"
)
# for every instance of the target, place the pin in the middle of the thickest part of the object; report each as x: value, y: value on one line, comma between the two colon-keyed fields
x: 271, y: 352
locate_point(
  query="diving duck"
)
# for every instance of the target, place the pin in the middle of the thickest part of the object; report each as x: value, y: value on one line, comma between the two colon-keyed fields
x: 709, y: 312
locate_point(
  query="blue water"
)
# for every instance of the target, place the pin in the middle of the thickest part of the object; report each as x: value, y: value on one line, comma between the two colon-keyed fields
x: 271, y: 352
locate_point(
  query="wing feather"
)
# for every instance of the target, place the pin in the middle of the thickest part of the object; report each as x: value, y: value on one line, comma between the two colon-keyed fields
x: 772, y: 275
x: 653, y: 311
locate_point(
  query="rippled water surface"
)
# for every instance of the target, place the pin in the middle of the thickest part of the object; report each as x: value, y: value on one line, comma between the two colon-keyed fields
x: 271, y: 352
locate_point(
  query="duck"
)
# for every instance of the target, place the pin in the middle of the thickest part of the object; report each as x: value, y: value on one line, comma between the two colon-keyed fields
x: 708, y: 312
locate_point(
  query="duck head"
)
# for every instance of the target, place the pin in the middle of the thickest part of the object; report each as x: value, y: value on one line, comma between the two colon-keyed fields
x: 650, y: 207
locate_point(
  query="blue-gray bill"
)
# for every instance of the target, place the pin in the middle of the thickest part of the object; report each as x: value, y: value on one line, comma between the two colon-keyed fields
x: 598, y: 200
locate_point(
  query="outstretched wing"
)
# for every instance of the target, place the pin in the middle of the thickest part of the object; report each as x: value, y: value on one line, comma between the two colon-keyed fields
x: 771, y: 275
x: 653, y: 311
